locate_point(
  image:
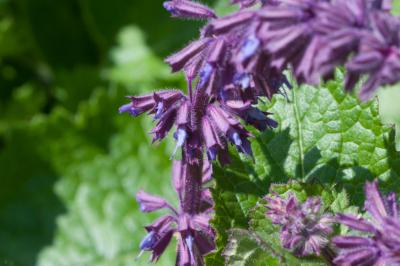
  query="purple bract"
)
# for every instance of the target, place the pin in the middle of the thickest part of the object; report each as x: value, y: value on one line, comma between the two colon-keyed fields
x: 201, y: 123
x: 382, y: 246
x: 305, y: 228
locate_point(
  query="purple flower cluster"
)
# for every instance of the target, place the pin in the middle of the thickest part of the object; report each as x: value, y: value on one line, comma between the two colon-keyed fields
x: 305, y: 228
x: 245, y: 53
x: 382, y: 247
x: 201, y: 122
x: 237, y: 59
x: 189, y: 223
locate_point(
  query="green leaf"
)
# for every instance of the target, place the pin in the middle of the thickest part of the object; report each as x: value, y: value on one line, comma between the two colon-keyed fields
x: 324, y: 137
x: 247, y: 248
x: 235, y: 194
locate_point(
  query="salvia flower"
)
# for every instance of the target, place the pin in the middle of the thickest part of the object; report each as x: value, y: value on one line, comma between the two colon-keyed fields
x: 305, y: 228
x: 379, y: 55
x: 382, y: 245
x: 228, y: 56
x: 250, y: 48
x: 201, y: 123
x: 188, y: 9
x: 194, y: 234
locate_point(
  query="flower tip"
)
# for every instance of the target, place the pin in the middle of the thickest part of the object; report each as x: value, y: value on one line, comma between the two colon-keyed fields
x: 272, y: 123
x: 189, y: 242
x: 125, y: 108
x: 188, y: 9
x: 148, y: 242
x: 167, y: 5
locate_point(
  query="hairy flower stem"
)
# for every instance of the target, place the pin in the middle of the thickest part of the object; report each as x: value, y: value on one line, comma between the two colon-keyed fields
x: 329, y: 255
x: 190, y: 89
x: 193, y: 186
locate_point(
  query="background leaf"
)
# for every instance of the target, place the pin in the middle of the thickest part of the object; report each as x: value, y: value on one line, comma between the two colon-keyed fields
x: 324, y: 137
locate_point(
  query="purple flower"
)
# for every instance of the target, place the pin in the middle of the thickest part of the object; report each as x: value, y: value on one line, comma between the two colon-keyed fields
x: 245, y: 3
x: 150, y: 203
x: 201, y: 123
x: 154, y: 103
x: 382, y: 246
x: 378, y: 56
x: 194, y: 234
x: 249, y: 49
x: 305, y: 228
x: 289, y: 32
x: 188, y: 9
x: 229, y: 56
x: 341, y: 25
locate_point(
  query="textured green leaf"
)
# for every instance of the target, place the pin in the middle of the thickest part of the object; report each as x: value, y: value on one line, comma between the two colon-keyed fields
x: 247, y: 248
x: 324, y: 137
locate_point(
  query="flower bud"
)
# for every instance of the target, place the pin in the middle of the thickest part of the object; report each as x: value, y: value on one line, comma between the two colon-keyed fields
x: 188, y: 9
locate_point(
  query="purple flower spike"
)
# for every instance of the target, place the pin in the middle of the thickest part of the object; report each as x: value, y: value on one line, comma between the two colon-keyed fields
x: 201, y: 124
x: 383, y: 245
x: 195, y: 235
x: 305, y: 228
x: 188, y: 9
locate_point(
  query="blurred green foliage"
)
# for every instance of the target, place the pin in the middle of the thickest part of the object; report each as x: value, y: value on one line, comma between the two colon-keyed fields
x: 70, y: 164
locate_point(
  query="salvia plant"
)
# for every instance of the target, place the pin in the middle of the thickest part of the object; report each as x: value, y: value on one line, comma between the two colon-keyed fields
x: 245, y: 91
